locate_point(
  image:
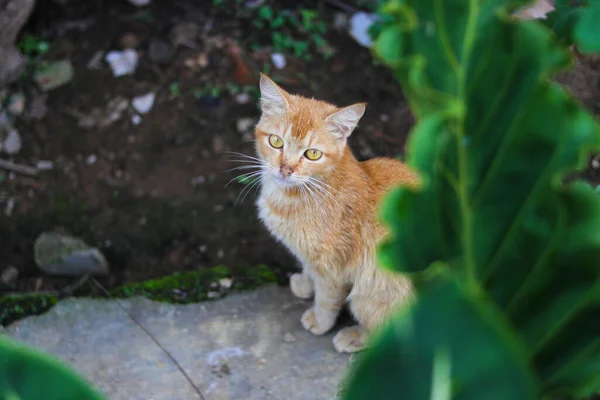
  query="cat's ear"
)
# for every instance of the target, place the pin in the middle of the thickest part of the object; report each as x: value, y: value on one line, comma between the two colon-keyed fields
x: 273, y: 99
x: 341, y: 123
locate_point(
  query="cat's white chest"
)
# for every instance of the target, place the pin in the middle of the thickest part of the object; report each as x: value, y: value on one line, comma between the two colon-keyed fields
x: 287, y: 229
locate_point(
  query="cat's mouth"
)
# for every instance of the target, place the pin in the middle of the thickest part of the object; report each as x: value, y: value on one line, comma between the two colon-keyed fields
x: 287, y: 181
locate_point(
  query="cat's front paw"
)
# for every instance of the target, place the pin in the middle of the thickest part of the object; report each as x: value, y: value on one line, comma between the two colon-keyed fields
x: 317, y: 322
x: 350, y: 340
x: 301, y: 286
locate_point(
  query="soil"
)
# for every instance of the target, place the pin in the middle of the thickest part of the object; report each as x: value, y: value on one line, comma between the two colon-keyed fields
x: 154, y: 197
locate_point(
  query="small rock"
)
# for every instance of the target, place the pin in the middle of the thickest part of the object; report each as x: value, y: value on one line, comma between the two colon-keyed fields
x: 114, y: 110
x: 213, y: 295
x: 242, y: 98
x: 122, y: 62
x: 225, y: 283
x: 199, y: 180
x: 143, y: 104
x: 161, y: 51
x: 9, y: 275
x: 360, y: 23
x: 10, y: 140
x: 140, y: 3
x: 44, y: 165
x: 9, y: 207
x: 54, y: 75
x: 538, y: 10
x: 91, y: 159
x: 245, y: 124
x: 129, y: 41
x: 254, y: 3
x: 58, y: 254
x: 221, y: 253
x: 136, y: 120
x: 278, y: 60
x: 289, y: 338
x: 17, y: 103
x: 96, y: 61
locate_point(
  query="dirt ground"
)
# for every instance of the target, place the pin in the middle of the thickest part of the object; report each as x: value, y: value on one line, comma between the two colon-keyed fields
x: 153, y: 196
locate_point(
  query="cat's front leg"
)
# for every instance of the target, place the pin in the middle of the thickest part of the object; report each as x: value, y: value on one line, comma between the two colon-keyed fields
x: 350, y: 339
x: 302, y: 285
x: 329, y: 298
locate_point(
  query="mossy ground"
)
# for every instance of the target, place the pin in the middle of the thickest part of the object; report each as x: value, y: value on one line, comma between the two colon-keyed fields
x: 16, y: 307
x: 181, y: 288
x: 192, y: 287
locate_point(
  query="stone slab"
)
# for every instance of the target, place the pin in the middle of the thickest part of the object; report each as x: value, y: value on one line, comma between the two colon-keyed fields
x: 249, y: 345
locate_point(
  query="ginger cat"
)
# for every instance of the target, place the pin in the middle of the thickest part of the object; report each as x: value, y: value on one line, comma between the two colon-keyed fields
x: 318, y: 200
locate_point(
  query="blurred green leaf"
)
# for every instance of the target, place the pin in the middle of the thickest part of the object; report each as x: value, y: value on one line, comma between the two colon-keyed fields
x: 576, y: 22
x: 451, y: 344
x: 26, y: 374
x: 493, y: 141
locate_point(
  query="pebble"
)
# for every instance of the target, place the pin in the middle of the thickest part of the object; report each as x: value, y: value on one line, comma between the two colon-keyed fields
x: 44, y: 165
x: 143, y: 104
x: 242, y: 98
x: 213, y: 295
x: 11, y: 144
x: 278, y: 60
x: 289, y: 338
x: 17, y: 103
x: 122, y: 62
x: 245, y: 124
x: 199, y: 180
x: 225, y: 283
x: 54, y: 75
x: 91, y: 159
x: 9, y: 275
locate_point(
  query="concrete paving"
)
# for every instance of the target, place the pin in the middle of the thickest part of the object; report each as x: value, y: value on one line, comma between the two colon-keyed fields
x: 249, y: 345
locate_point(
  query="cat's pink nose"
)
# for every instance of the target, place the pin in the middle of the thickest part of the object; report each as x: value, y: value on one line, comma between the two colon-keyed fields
x: 286, y: 171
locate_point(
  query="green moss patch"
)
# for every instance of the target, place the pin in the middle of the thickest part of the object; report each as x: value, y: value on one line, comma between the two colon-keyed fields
x: 196, y: 286
x: 16, y: 307
x: 180, y: 288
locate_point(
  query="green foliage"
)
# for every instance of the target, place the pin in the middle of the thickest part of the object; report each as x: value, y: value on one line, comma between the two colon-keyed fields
x: 32, y: 46
x: 501, y: 250
x: 474, y: 353
x: 26, y: 374
x: 16, y: 307
x: 576, y: 22
x: 293, y: 31
x: 194, y: 286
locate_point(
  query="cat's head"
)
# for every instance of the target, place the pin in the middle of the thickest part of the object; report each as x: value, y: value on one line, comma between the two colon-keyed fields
x: 300, y: 138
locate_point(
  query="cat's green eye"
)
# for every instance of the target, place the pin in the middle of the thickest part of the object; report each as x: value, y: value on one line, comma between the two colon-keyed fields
x: 313, y: 154
x: 276, y: 141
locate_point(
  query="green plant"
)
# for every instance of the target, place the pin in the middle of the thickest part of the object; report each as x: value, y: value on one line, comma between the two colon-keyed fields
x: 26, y: 374
x: 504, y: 254
x: 574, y: 22
x: 33, y: 46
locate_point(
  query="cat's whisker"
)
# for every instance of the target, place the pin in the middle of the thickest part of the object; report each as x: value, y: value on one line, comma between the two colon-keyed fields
x: 314, y: 195
x: 245, y: 156
x: 245, y: 167
x: 249, y: 187
x: 252, y: 186
x: 323, y: 192
x: 248, y: 175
